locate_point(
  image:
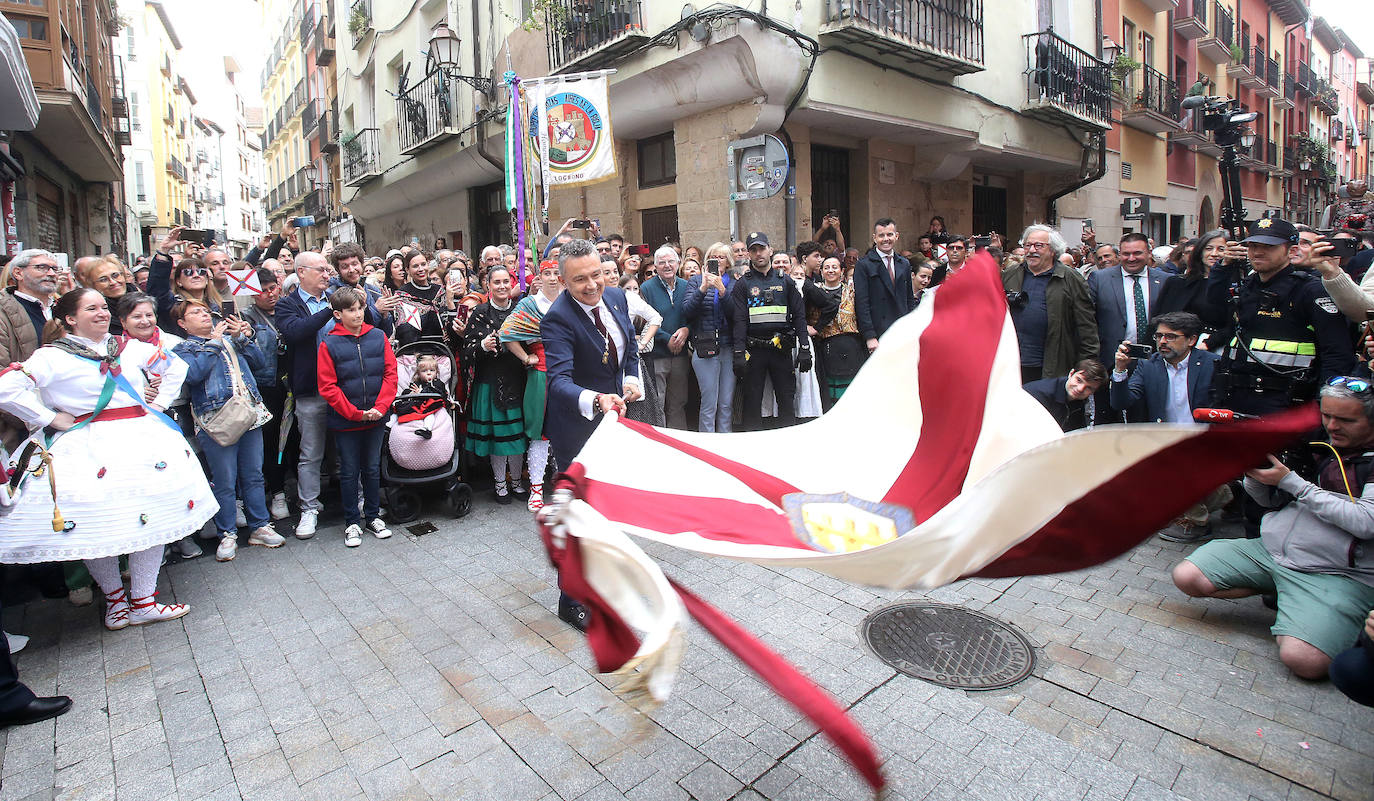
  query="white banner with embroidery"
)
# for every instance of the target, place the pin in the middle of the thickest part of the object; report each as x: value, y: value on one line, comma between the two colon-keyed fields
x: 573, y: 121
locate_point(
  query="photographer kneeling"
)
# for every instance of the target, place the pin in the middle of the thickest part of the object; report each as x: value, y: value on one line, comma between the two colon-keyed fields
x: 1313, y: 551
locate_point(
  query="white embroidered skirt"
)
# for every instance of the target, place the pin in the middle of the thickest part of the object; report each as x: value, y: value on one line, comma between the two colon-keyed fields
x: 122, y: 486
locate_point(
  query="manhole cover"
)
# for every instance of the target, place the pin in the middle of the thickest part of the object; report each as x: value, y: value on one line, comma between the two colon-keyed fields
x: 949, y: 645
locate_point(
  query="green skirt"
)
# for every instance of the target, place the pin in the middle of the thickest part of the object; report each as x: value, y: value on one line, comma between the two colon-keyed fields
x: 536, y: 391
x: 835, y: 387
x: 493, y: 431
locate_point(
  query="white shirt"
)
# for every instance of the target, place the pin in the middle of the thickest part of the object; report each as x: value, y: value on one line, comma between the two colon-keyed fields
x: 1179, y: 409
x: 1128, y: 286
x: 588, y: 397
x: 55, y: 381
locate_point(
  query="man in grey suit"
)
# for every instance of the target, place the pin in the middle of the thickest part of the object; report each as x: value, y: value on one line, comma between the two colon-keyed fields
x: 1124, y: 297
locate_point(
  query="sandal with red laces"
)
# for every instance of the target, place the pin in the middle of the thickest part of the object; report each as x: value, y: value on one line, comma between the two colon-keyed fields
x: 536, y: 501
x: 145, y: 610
x: 117, y: 609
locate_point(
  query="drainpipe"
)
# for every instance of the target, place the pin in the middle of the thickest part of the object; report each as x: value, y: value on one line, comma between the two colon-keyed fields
x: 1051, y: 213
x: 477, y: 70
x: 790, y: 201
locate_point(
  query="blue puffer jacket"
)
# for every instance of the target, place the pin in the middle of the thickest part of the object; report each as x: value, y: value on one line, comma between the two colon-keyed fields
x: 268, y: 339
x: 357, y: 373
x: 207, y: 371
x: 708, y: 313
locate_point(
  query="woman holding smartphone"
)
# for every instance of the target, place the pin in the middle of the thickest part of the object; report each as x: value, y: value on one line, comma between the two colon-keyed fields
x: 187, y: 279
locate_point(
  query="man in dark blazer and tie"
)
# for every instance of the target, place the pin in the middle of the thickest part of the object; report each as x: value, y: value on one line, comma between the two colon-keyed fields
x: 1115, y: 298
x: 882, y: 285
x: 593, y: 365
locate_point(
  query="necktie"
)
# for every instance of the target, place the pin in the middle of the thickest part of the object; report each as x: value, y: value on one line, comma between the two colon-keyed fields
x: 1140, y: 314
x: 610, y: 354
x: 891, y: 273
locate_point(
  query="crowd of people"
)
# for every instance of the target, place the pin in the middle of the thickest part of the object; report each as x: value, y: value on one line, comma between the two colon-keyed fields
x: 171, y: 408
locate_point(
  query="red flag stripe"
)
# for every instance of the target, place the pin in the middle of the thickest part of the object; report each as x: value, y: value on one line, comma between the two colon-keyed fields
x: 770, y: 487
x: 818, y: 706
x: 957, y: 351
x: 712, y: 518
x: 1146, y: 496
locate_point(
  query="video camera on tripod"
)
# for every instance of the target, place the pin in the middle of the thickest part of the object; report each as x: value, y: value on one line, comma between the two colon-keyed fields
x: 1229, y: 124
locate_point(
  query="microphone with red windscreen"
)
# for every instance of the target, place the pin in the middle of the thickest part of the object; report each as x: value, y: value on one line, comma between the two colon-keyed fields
x: 1220, y: 416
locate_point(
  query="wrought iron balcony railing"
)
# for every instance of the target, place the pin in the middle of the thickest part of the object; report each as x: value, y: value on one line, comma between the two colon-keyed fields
x: 361, y: 159
x: 579, y: 29
x: 944, y: 34
x: 1065, y: 83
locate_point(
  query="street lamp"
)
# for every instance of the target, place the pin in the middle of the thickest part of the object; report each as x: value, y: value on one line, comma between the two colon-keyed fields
x: 1110, y: 50
x: 1305, y: 164
x: 443, y: 54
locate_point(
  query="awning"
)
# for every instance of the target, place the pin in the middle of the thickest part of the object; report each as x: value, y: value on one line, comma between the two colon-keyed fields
x: 18, y: 101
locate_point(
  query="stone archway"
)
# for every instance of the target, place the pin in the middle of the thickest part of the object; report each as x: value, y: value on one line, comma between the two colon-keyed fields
x: 1206, y: 216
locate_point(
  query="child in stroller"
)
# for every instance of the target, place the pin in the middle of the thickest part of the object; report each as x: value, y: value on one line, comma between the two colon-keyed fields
x: 422, y: 436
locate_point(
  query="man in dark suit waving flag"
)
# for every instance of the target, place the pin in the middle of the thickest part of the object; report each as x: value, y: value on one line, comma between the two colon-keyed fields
x: 593, y: 363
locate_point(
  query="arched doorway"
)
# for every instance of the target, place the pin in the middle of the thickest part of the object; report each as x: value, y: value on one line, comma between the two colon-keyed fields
x: 1206, y: 216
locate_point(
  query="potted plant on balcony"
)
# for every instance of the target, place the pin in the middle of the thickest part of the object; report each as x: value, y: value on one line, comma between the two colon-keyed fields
x: 352, y: 146
x: 358, y: 21
x: 1122, y: 67
x: 1237, y: 54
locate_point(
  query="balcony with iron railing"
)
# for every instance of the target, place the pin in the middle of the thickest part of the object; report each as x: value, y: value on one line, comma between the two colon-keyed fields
x: 175, y: 167
x: 313, y: 204
x: 1271, y: 78
x: 119, y: 98
x: 1190, y: 19
x: 359, y: 20
x: 1153, y: 103
x: 361, y: 159
x: 324, y: 44
x: 1288, y: 97
x: 328, y: 130
x: 93, y: 105
x: 307, y: 24
x: 1304, y: 75
x: 943, y: 37
x: 310, y: 114
x: 1326, y: 96
x: 590, y: 34
x: 1065, y: 84
x: 1241, y: 67
x: 427, y: 112
x: 1216, y: 44
x: 1289, y: 164
x: 1364, y: 90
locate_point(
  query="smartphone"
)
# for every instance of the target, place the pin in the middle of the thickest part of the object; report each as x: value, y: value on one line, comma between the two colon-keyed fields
x: 195, y: 235
x: 306, y: 222
x: 713, y: 266
x: 1139, y: 351
x: 641, y: 251
x: 1342, y: 248
x: 981, y: 242
x: 833, y: 213
x: 1088, y: 223
x: 581, y: 223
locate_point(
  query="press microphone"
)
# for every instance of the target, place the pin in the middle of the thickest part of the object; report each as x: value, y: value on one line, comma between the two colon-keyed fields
x: 1220, y: 415
x: 1195, y: 101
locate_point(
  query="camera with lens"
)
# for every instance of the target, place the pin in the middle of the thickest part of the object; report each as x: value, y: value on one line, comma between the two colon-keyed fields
x: 1017, y: 300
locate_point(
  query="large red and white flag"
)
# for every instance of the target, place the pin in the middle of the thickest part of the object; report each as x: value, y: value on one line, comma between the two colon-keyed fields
x: 934, y: 466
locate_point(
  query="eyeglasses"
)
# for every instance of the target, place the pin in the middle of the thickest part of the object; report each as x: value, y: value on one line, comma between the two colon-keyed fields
x: 192, y: 272
x: 1036, y: 246
x: 43, y: 268
x: 1168, y: 336
x: 1349, y: 382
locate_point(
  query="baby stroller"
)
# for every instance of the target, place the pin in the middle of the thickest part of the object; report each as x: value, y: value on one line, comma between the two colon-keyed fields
x: 421, y: 445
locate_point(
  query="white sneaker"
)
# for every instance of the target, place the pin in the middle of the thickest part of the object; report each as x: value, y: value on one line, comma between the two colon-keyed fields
x: 305, y: 529
x: 187, y: 547
x: 379, y: 528
x: 266, y: 536
x: 239, y: 519
x: 353, y: 536
x: 228, y: 547
x: 278, y: 508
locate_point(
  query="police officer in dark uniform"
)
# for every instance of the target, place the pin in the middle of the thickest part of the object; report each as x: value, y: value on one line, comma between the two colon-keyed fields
x: 769, y: 319
x: 1282, y: 333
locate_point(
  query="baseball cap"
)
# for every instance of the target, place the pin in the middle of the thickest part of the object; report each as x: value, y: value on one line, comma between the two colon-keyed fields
x: 756, y: 238
x: 1272, y: 231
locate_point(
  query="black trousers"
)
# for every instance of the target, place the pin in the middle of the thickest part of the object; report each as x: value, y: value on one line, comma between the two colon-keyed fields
x: 14, y: 696
x: 273, y: 471
x: 769, y: 362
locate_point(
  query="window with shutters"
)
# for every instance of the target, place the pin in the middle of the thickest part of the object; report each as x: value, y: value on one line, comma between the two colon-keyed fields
x: 140, y: 187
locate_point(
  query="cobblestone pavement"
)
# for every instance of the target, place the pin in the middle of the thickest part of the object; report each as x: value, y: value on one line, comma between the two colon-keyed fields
x: 431, y: 667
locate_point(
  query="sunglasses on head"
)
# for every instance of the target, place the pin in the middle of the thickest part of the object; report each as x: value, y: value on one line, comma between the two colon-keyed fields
x: 191, y: 272
x: 1349, y: 382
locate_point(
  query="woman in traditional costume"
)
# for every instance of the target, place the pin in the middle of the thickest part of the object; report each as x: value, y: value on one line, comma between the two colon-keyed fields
x: 520, y: 335
x: 496, y: 425
x: 117, y: 478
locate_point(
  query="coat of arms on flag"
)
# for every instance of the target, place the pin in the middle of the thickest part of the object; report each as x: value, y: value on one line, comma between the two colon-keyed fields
x: 574, y: 127
x: 243, y: 282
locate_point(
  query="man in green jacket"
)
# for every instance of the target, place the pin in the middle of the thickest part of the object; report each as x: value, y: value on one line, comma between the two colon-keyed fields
x: 1050, y: 307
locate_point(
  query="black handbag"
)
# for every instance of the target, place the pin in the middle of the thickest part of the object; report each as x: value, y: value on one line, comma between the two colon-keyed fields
x: 843, y: 355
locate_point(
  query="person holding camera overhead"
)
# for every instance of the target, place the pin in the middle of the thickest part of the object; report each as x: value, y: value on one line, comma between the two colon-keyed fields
x: 1051, y: 308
